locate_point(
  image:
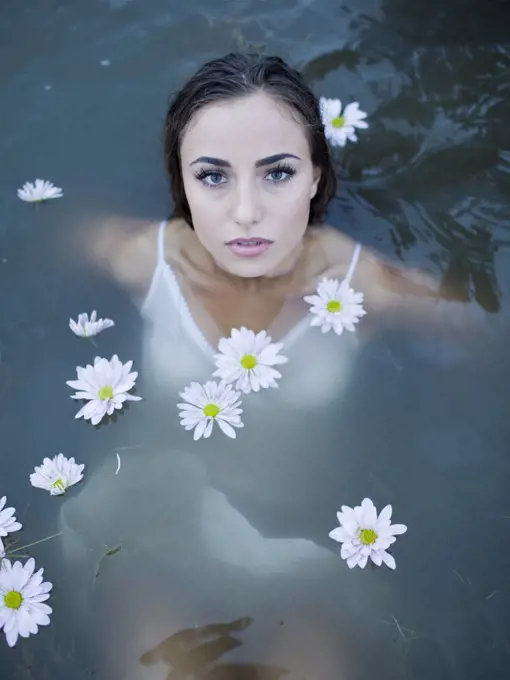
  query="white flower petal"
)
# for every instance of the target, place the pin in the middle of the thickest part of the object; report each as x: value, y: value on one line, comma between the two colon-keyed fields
x: 385, y: 515
x: 8, y: 523
x: 11, y: 634
x: 348, y: 549
x: 388, y: 559
x: 330, y: 108
x: 353, y: 560
x: 100, y: 410
x: 208, y: 428
x: 362, y: 562
x: 226, y: 428
x: 369, y: 513
x: 200, y: 429
x: 376, y: 558
x: 397, y: 529
x: 340, y: 534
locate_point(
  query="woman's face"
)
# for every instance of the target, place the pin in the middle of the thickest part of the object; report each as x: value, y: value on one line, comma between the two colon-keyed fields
x: 249, y: 180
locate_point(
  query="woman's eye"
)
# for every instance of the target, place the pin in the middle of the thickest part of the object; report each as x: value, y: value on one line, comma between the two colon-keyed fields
x: 213, y: 178
x: 278, y: 175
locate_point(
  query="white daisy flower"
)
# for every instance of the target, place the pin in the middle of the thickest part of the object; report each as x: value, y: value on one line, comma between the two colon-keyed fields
x: 105, y: 385
x: 207, y: 404
x: 365, y: 535
x: 57, y: 474
x: 341, y: 126
x: 39, y: 191
x: 248, y: 359
x: 8, y: 522
x: 86, y: 328
x: 336, y: 306
x: 22, y: 597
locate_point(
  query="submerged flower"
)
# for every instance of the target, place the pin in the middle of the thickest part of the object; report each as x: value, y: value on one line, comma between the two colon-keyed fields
x: 86, y: 327
x: 57, y: 474
x: 365, y: 535
x: 207, y: 404
x: 340, y: 126
x: 8, y: 522
x: 248, y: 359
x: 39, y: 191
x: 105, y: 385
x: 336, y: 306
x: 22, y: 597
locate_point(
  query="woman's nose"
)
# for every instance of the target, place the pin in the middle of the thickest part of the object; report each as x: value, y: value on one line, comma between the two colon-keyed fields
x: 247, y: 207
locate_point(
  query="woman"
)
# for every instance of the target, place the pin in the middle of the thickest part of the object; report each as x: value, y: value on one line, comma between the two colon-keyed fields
x: 274, y: 182
x: 224, y: 529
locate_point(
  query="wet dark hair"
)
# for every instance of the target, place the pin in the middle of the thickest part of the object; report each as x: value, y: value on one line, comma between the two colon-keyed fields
x: 239, y: 75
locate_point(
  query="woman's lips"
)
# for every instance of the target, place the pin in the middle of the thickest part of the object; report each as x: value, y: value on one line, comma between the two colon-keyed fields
x: 249, y: 247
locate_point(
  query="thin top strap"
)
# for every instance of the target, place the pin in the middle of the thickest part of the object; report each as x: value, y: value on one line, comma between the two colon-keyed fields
x: 161, y: 242
x: 354, y: 262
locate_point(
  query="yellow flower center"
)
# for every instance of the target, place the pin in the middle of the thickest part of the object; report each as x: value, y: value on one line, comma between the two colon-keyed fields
x: 211, y: 410
x: 59, y: 484
x: 13, y: 599
x: 249, y: 361
x: 105, y: 392
x: 334, y: 306
x: 367, y: 536
x: 338, y: 122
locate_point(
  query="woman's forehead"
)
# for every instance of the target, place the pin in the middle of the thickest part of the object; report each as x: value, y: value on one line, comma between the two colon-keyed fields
x: 256, y: 125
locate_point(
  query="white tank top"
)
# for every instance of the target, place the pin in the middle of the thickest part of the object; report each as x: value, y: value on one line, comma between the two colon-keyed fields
x: 176, y: 352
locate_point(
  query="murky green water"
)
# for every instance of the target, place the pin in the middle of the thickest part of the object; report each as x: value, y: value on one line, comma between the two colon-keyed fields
x: 214, y: 561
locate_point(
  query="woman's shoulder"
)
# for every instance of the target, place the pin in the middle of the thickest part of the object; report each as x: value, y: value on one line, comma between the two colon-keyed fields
x: 330, y: 253
x: 127, y: 248
x: 374, y: 274
x: 333, y: 241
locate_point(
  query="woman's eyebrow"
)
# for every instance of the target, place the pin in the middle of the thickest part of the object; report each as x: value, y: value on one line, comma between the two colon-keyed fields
x: 263, y: 161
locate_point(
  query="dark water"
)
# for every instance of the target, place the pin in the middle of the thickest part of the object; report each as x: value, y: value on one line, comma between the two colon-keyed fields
x: 425, y: 424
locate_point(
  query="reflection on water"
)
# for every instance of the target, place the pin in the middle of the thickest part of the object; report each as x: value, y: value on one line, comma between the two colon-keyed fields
x: 417, y: 416
x: 195, y: 653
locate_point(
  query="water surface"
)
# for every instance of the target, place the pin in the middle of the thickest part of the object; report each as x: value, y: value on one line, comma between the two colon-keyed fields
x: 225, y: 568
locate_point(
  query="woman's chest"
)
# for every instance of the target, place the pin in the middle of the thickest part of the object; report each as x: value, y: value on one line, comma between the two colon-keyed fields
x: 220, y: 310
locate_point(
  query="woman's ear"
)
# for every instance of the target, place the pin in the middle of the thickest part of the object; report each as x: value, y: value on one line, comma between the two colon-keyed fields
x: 316, y: 179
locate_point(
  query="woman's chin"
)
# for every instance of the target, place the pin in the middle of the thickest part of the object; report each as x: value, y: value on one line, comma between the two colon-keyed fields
x: 265, y: 265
